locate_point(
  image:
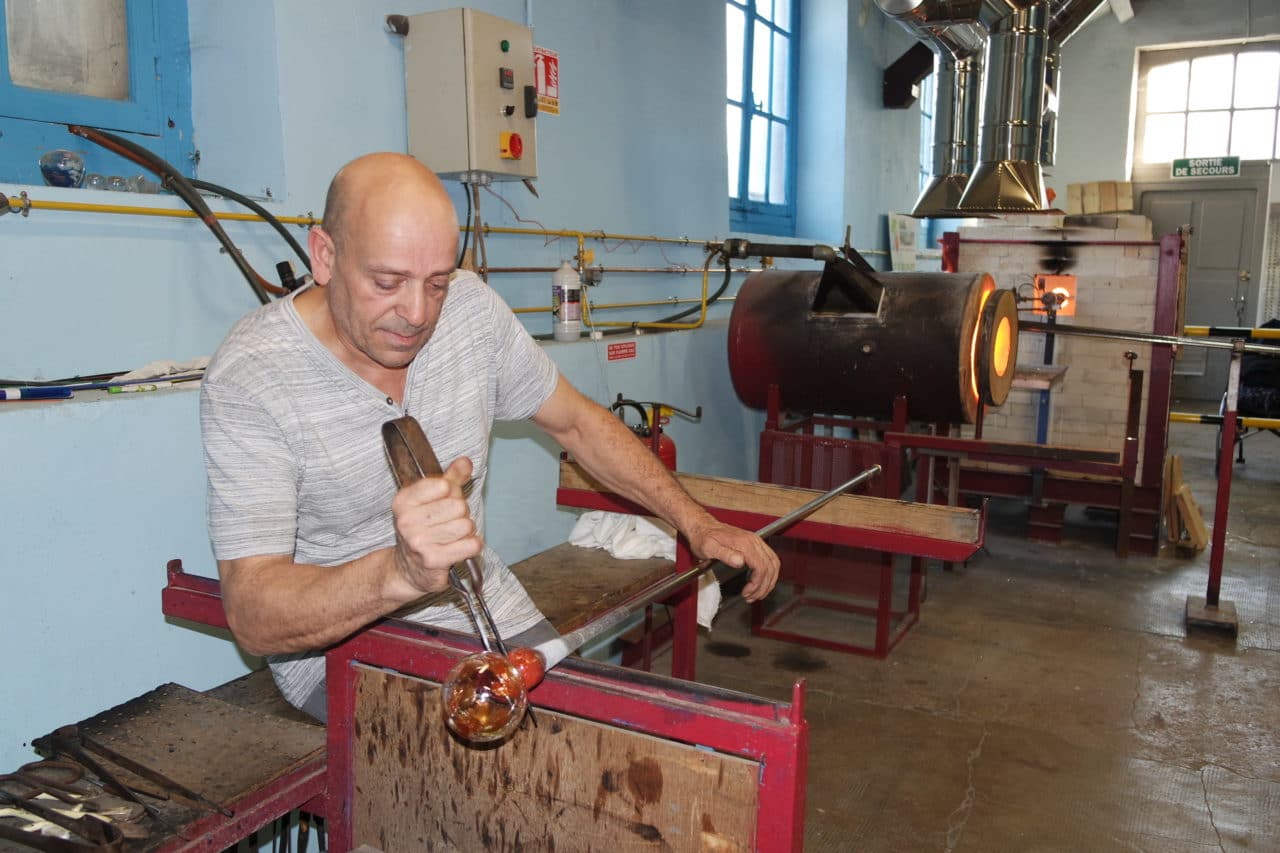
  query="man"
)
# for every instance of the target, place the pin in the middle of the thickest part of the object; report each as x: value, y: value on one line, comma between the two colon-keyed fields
x: 311, y: 546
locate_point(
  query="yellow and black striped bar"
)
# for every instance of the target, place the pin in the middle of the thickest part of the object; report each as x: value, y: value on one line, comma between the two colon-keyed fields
x: 1250, y: 423
x: 1232, y: 332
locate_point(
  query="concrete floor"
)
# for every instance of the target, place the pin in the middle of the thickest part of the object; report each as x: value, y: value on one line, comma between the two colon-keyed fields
x: 1050, y: 697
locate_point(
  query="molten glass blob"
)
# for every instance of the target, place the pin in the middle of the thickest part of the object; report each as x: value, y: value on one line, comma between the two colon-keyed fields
x: 484, y: 698
x: 531, y: 664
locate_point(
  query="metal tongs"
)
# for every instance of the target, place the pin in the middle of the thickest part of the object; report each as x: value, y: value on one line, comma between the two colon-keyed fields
x: 411, y: 458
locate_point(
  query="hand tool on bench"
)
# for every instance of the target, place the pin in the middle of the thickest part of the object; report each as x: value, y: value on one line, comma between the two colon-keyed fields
x: 101, y: 834
x: 144, y: 772
x: 54, y: 778
x: 66, y: 741
x: 411, y: 459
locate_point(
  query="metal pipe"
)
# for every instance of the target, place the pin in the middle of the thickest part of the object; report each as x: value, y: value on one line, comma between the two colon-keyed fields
x: 671, y: 270
x: 543, y: 309
x: 1231, y: 332
x: 554, y: 651
x: 1141, y: 337
x: 1251, y: 423
x: 22, y: 202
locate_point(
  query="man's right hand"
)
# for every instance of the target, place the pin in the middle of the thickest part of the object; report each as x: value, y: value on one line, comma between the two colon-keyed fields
x: 434, y: 529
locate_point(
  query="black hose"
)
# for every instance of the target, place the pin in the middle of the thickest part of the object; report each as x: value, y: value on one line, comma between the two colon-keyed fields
x: 711, y: 300
x: 466, y: 234
x: 173, y: 180
x: 270, y: 218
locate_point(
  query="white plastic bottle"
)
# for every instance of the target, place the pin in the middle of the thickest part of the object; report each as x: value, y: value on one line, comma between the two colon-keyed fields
x: 566, y: 304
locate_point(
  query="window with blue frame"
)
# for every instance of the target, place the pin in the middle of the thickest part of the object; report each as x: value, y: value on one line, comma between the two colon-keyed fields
x: 926, y: 131
x: 760, y: 114
x: 118, y: 65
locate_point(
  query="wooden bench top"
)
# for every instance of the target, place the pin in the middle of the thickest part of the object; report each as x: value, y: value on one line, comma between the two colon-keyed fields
x: 572, y: 585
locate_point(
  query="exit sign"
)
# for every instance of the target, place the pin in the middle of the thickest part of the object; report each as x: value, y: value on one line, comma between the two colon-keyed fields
x: 1206, y: 167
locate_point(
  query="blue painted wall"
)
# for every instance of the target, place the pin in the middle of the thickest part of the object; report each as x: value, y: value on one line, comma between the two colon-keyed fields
x: 99, y: 493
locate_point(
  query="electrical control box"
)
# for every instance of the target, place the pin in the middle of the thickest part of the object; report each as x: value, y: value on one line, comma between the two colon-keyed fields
x: 470, y: 95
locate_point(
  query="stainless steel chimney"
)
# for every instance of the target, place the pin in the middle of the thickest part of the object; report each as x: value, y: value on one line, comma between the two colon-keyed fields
x: 958, y: 49
x: 1066, y: 17
x: 1008, y: 176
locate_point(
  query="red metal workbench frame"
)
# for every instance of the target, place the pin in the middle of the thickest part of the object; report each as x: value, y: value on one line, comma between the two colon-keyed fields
x: 197, y: 599
x: 773, y: 733
x: 890, y: 625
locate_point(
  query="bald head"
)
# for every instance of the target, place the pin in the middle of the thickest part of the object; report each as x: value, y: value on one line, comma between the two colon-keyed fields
x: 382, y: 181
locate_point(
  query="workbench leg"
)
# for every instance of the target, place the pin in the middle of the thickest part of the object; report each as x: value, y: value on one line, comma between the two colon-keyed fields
x: 884, y: 606
x: 684, y: 608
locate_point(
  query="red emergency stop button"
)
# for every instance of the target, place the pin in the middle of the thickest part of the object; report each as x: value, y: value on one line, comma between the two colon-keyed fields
x: 510, y: 145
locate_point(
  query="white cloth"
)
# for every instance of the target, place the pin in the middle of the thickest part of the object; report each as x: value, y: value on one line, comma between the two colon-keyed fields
x: 634, y: 537
x: 166, y: 367
x: 626, y: 537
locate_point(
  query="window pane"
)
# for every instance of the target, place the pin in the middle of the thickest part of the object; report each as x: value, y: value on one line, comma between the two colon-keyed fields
x: 1162, y: 138
x: 735, y: 43
x: 778, y: 165
x: 1207, y: 133
x: 1251, y: 134
x: 759, y: 157
x: 781, y: 74
x: 69, y: 46
x: 1257, y: 79
x: 782, y: 13
x: 760, y: 67
x: 1167, y: 88
x: 1211, y: 79
x: 764, y: 8
x: 733, y: 130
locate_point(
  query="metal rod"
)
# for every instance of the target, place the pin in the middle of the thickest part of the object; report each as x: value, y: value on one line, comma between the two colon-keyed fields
x: 1141, y: 337
x: 556, y: 650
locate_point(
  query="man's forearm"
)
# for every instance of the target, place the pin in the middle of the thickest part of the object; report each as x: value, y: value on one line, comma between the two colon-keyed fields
x: 276, y: 606
x: 611, y: 453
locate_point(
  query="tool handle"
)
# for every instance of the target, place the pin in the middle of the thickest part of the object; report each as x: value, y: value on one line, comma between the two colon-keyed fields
x: 408, y: 451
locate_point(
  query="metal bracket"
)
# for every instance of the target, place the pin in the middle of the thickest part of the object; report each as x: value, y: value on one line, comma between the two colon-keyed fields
x: 16, y: 204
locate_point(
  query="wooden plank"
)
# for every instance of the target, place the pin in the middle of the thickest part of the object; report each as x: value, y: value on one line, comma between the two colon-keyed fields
x: 1192, y: 518
x: 571, y: 585
x: 853, y: 511
x: 1172, y: 482
x: 213, y: 747
x: 567, y: 784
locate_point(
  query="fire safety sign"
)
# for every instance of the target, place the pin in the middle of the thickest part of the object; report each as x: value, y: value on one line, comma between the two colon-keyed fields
x: 546, y: 75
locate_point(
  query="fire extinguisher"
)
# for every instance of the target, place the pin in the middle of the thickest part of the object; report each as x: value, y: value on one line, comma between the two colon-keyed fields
x: 649, y: 428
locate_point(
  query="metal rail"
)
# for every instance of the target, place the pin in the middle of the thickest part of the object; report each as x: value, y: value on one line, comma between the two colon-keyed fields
x: 1143, y: 337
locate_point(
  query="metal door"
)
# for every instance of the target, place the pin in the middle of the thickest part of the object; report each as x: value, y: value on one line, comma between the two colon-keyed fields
x: 1227, y: 217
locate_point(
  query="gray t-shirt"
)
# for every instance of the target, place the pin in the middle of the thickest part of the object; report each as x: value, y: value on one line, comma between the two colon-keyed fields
x: 294, y: 454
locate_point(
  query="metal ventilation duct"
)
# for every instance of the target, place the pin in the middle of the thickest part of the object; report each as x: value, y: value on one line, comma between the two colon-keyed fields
x: 958, y: 48
x: 1008, y: 176
x: 1066, y: 17
x: 1019, y: 86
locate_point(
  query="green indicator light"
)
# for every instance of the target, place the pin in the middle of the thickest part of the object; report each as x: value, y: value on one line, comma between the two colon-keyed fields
x: 505, y: 45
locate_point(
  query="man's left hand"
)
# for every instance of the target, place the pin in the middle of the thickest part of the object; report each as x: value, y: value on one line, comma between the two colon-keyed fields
x: 736, y: 548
